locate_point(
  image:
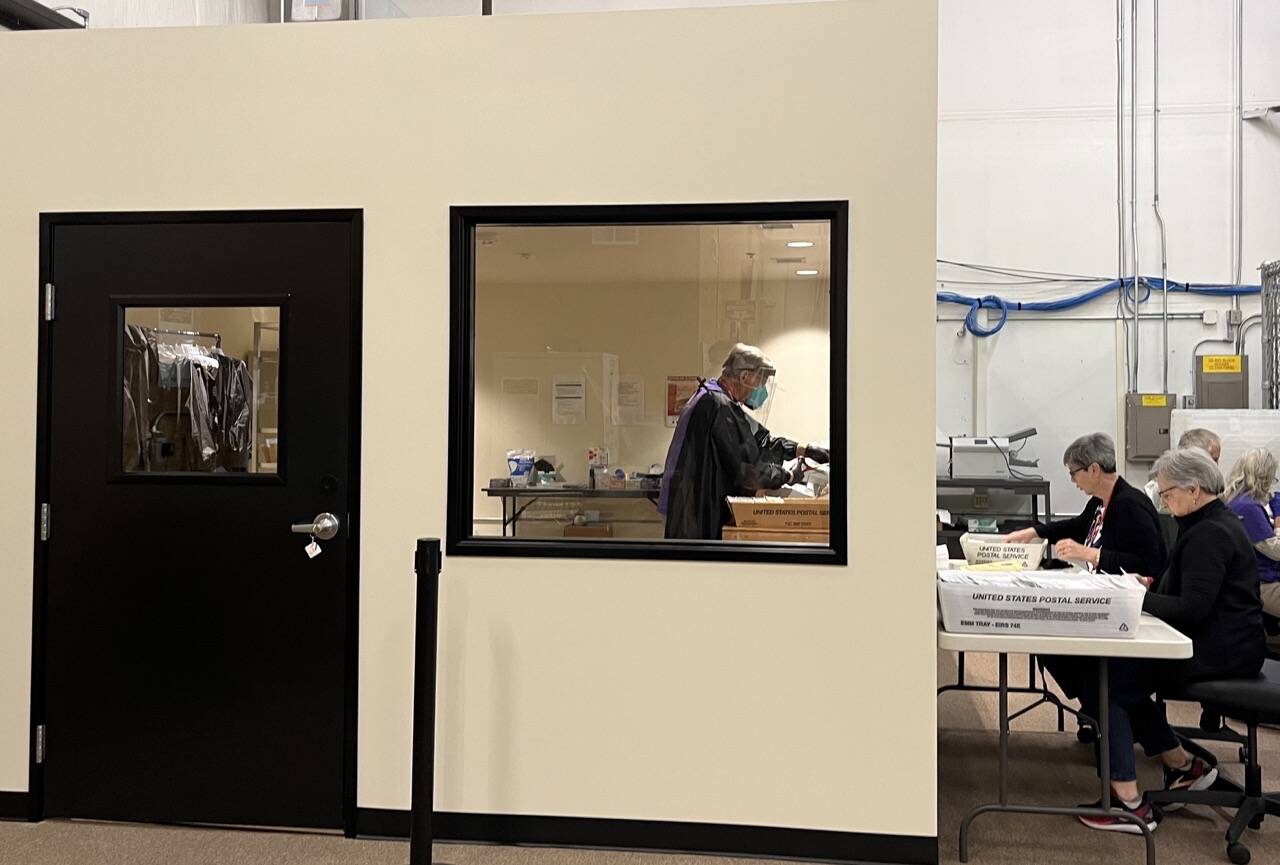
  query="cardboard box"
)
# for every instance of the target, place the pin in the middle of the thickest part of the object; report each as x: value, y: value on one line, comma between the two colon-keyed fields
x: 603, y: 530
x: 772, y: 512
x: 1040, y: 602
x: 985, y: 549
x: 777, y: 536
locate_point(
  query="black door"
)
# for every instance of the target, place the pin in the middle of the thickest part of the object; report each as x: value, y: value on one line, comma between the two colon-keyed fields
x: 200, y: 396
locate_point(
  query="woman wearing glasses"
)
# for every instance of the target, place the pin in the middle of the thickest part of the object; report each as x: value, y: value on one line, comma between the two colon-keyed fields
x: 1209, y: 592
x: 1117, y: 531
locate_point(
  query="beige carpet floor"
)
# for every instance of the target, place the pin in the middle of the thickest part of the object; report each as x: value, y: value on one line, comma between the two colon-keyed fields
x: 62, y: 842
x: 1046, y: 767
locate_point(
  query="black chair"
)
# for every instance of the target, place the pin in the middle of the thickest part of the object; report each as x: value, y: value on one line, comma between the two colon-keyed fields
x: 1253, y: 702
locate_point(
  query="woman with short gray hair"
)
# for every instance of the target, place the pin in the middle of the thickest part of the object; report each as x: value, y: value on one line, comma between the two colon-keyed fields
x: 1118, y: 530
x: 1210, y: 593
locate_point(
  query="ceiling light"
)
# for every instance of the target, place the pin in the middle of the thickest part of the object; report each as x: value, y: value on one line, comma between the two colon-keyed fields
x: 806, y: 273
x: 800, y: 244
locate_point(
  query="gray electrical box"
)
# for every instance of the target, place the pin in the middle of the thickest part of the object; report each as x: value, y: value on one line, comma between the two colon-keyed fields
x: 1222, y: 381
x: 1146, y: 424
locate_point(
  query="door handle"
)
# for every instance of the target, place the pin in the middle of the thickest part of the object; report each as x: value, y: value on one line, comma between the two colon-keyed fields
x: 324, y: 528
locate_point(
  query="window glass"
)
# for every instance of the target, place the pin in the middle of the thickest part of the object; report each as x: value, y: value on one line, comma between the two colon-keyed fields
x: 589, y: 340
x: 201, y: 389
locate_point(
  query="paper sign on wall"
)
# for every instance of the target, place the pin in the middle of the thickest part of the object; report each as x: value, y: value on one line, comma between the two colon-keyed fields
x: 679, y: 389
x: 569, y: 400
x: 520, y: 386
x: 630, y: 399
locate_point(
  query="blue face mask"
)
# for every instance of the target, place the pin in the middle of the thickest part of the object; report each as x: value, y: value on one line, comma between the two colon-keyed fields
x: 756, y: 398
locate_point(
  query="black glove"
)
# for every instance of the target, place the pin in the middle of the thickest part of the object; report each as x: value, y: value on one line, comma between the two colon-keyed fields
x: 796, y: 475
x: 819, y: 455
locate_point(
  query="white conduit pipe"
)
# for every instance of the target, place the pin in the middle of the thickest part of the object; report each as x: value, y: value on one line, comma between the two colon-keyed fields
x: 1120, y: 242
x: 1133, y: 174
x: 1155, y: 195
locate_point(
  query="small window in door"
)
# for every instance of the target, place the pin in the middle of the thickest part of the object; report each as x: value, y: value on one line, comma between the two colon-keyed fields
x: 201, y: 387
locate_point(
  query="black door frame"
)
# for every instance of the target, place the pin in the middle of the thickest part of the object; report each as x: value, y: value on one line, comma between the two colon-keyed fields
x: 48, y: 221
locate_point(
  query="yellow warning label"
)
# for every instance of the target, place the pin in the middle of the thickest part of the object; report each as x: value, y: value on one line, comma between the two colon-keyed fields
x: 1220, y: 362
x: 1155, y: 400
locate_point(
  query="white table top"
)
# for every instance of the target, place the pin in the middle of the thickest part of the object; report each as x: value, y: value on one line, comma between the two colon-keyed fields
x: 1155, y: 639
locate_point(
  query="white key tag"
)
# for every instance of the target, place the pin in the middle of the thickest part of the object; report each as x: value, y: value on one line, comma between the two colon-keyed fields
x: 313, y: 548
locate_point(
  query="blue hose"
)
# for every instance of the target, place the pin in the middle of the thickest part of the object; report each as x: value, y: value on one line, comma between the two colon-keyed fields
x: 1148, y: 284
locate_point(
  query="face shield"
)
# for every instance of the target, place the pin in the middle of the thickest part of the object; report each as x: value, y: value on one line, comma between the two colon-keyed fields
x: 761, y: 384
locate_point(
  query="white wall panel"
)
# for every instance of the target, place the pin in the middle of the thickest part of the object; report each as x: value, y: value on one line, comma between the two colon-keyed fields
x: 1026, y: 178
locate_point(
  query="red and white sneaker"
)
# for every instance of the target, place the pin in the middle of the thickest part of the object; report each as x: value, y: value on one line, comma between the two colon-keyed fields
x: 1198, y: 775
x: 1145, y: 811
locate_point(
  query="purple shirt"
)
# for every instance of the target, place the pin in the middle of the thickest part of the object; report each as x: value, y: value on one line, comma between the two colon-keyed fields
x: 1256, y: 525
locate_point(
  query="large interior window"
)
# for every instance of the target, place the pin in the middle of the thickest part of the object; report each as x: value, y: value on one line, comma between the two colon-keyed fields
x: 581, y: 335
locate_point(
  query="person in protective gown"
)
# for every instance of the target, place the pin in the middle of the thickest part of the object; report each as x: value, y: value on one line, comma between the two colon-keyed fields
x: 719, y: 450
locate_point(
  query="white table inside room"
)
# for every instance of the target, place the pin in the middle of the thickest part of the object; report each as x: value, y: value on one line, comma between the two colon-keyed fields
x: 1155, y: 639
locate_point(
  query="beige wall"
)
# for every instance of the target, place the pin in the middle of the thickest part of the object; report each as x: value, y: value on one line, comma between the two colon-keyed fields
x: 700, y: 691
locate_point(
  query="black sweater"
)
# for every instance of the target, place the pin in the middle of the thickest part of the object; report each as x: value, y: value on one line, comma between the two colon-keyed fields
x: 1131, y: 537
x: 1210, y: 593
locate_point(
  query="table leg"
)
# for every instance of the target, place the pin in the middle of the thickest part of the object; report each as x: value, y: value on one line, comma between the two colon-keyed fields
x: 1104, y: 761
x: 1003, y: 806
x: 1004, y: 729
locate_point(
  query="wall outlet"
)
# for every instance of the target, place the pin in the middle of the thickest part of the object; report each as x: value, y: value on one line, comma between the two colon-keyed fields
x: 1189, y: 400
x: 1235, y: 317
x: 1209, y: 316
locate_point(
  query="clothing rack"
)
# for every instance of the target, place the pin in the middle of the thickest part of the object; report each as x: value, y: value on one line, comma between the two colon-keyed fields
x: 214, y: 335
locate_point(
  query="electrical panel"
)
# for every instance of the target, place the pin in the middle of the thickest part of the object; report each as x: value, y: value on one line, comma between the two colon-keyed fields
x: 1146, y: 424
x: 1222, y: 381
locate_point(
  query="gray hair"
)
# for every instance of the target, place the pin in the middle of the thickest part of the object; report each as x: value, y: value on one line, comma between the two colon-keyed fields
x: 743, y: 357
x: 1190, y: 468
x: 1199, y: 437
x: 1089, y: 449
x: 1253, y: 475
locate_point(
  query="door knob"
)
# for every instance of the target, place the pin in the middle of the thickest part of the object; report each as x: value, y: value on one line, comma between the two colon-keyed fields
x: 324, y: 528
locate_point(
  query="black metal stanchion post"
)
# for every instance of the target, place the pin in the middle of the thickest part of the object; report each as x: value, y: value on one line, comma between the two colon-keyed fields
x: 426, y: 563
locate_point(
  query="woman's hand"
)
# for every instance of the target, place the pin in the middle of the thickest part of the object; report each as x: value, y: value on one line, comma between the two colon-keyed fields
x: 1147, y: 582
x: 1021, y: 536
x: 1074, y: 551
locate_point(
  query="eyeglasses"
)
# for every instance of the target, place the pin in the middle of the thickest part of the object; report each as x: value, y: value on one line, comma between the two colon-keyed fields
x: 1071, y: 473
x: 1164, y: 492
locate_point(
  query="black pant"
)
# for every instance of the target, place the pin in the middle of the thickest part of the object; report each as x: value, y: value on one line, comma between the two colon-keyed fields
x: 1134, y: 715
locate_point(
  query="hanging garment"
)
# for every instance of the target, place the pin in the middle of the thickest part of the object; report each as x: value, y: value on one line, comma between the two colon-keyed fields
x: 203, y: 418
x: 232, y: 406
x: 140, y: 385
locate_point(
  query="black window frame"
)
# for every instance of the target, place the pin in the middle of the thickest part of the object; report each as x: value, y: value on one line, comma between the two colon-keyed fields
x: 460, y: 539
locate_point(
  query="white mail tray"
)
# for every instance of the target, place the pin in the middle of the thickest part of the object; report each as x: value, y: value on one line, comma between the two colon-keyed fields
x: 983, y: 549
x: 1040, y: 602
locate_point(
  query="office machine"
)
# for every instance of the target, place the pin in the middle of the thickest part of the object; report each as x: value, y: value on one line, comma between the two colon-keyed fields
x: 988, y: 456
